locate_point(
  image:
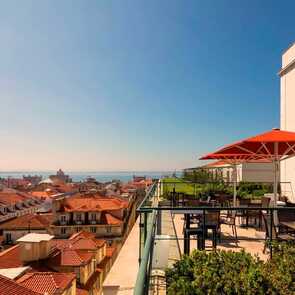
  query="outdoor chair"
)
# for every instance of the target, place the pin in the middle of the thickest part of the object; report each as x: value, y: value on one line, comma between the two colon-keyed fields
x: 242, y: 213
x: 193, y: 203
x: 286, y: 216
x: 231, y: 221
x: 212, y: 222
x: 265, y: 201
x: 271, y: 231
x: 253, y: 214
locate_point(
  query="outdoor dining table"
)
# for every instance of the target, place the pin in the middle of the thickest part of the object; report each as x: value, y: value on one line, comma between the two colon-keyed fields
x: 198, y: 231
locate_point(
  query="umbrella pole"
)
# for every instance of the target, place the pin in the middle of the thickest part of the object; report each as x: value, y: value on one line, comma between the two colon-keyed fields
x: 235, y: 184
x: 275, y: 188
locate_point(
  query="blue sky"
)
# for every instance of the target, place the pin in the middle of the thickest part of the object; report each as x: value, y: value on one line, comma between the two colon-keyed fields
x: 136, y: 85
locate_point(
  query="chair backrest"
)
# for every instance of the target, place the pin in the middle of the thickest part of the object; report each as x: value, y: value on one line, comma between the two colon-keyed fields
x: 231, y: 214
x: 193, y: 203
x: 212, y: 217
x: 265, y: 202
x: 243, y: 202
x: 286, y: 215
x: 267, y: 225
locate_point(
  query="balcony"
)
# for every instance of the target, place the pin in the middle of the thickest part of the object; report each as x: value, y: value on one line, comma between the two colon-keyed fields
x: 176, y: 219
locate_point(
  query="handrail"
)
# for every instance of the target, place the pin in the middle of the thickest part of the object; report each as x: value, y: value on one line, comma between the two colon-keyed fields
x: 150, y: 192
x: 141, y: 280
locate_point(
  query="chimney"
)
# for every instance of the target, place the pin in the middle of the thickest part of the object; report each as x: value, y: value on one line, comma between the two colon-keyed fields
x: 34, y: 246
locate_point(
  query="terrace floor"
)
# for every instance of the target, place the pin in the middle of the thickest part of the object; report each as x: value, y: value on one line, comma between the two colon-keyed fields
x: 247, y: 238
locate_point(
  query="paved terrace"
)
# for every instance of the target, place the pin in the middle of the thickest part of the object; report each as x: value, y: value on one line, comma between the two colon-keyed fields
x: 228, y: 242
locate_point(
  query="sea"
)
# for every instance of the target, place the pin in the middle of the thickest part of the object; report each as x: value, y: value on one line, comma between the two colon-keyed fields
x: 101, y: 176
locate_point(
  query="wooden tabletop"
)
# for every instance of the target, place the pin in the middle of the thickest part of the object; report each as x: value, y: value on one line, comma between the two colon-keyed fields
x: 290, y: 224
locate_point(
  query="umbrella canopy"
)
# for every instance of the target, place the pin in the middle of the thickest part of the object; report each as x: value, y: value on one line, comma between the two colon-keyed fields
x: 275, y: 145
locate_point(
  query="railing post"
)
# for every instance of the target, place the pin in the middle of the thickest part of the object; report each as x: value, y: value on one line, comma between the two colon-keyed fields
x: 270, y: 234
x: 144, y: 227
x: 203, y: 230
x: 150, y: 265
x: 140, y: 227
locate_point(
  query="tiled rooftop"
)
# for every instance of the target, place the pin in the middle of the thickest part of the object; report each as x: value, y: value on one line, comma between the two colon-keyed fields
x: 11, y: 257
x: 13, y: 197
x: 111, y: 220
x: 46, y: 282
x: 10, y: 287
x: 70, y: 257
x: 92, y: 203
x: 33, y: 221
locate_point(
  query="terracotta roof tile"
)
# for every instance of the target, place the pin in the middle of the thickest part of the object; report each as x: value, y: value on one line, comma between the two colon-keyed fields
x: 41, y: 195
x: 70, y: 257
x: 111, y: 220
x: 33, y: 221
x: 79, y: 241
x: 12, y: 198
x: 47, y: 282
x: 10, y: 287
x: 82, y: 233
x: 10, y: 257
x: 93, y: 203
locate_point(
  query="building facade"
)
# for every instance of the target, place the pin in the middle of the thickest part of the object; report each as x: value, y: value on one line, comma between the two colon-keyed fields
x: 287, y: 77
x: 102, y: 216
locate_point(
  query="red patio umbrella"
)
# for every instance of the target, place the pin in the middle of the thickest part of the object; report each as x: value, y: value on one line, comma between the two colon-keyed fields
x: 275, y: 145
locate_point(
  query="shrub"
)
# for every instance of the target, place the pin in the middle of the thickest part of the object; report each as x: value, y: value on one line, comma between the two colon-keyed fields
x: 280, y: 270
x: 252, y: 189
x: 227, y: 272
x: 219, y: 272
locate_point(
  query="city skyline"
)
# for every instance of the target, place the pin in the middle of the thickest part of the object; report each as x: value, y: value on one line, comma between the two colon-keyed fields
x: 146, y: 86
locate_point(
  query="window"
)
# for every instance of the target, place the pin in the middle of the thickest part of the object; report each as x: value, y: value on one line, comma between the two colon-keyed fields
x: 63, y: 230
x: 8, y: 237
x: 93, y: 229
x: 63, y: 218
x: 92, y: 216
x: 78, y: 217
x: 109, y: 229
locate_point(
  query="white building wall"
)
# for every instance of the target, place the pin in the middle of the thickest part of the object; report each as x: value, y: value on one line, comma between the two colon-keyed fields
x: 287, y: 75
x: 257, y: 172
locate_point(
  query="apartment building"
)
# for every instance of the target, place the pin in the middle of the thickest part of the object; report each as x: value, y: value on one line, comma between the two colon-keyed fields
x: 15, y: 228
x: 287, y: 79
x: 103, y: 216
x: 71, y: 266
x: 14, y: 203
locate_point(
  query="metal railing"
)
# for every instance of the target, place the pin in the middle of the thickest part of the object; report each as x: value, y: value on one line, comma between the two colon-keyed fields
x: 142, y: 281
x: 150, y: 214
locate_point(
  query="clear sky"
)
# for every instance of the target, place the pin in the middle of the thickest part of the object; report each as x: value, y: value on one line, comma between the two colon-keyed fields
x: 136, y: 85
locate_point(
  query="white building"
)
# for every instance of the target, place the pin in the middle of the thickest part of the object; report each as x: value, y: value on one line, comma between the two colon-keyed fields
x: 287, y: 76
x: 259, y: 171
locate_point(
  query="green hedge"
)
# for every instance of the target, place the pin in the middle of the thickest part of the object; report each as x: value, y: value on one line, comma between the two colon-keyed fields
x: 252, y: 189
x: 227, y: 272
